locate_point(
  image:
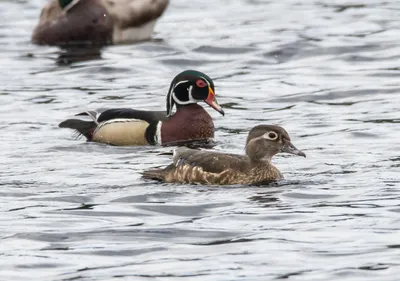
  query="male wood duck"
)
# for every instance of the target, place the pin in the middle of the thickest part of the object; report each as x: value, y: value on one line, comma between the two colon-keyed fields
x: 125, y: 126
x: 214, y: 168
x: 97, y: 21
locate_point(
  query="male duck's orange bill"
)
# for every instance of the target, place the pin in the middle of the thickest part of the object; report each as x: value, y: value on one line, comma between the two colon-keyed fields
x: 211, y: 101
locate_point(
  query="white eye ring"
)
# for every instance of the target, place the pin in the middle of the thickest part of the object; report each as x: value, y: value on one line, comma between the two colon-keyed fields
x: 271, y: 135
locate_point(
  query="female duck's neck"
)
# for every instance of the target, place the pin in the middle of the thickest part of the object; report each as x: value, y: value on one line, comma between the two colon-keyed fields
x: 257, y: 154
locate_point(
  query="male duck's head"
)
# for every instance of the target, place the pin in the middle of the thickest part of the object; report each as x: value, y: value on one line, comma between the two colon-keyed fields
x: 264, y: 141
x: 190, y: 87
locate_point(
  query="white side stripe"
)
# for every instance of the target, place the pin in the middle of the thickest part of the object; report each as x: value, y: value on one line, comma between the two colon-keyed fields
x: 157, y: 135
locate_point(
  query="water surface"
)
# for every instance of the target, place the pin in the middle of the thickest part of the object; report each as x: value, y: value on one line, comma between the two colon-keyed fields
x: 326, y: 71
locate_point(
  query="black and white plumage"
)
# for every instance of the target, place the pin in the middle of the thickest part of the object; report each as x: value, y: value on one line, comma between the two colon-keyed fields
x: 126, y: 126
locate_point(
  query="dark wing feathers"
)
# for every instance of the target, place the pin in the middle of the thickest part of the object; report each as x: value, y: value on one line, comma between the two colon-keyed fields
x: 209, y: 161
x: 84, y: 128
x: 128, y: 113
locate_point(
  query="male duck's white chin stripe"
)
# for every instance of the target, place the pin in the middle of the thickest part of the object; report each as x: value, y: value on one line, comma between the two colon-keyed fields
x: 157, y: 135
x: 190, y: 101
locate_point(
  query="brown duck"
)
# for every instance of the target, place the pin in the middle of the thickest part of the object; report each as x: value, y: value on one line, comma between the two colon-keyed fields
x: 64, y: 22
x: 126, y: 126
x: 214, y: 168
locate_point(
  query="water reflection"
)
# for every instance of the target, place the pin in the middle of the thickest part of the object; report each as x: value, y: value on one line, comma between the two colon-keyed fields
x: 265, y: 199
x: 72, y: 54
x: 326, y: 72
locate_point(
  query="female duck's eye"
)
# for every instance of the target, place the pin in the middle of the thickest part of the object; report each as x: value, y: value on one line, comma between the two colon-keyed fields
x: 271, y: 136
x: 201, y: 83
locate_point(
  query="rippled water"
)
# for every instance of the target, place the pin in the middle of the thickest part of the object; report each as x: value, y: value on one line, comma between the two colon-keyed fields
x: 328, y: 71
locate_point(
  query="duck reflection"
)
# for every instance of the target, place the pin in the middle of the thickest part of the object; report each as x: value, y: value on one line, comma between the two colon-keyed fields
x: 266, y: 199
x: 72, y: 54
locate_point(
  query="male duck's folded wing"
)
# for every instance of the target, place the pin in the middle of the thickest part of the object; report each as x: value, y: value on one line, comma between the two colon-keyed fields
x: 128, y: 113
x: 86, y: 126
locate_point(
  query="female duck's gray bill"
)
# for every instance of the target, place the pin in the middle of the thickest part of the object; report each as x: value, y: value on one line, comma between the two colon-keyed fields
x: 211, y: 101
x: 290, y: 148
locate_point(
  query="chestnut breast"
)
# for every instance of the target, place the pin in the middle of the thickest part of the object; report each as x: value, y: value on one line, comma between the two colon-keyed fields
x: 190, y: 122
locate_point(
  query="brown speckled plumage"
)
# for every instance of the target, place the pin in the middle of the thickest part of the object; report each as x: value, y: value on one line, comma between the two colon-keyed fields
x: 214, y: 168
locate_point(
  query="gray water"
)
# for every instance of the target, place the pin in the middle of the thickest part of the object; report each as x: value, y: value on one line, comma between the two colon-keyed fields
x: 327, y: 71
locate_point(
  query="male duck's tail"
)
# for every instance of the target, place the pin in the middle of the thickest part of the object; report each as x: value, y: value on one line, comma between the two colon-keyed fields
x: 85, y: 128
x: 82, y: 127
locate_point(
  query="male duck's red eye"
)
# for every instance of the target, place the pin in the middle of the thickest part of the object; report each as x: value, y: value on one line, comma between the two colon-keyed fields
x: 200, y: 83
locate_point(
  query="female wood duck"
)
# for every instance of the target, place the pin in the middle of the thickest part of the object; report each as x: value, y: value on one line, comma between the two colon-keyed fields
x: 214, y: 168
x: 97, y: 21
x: 125, y: 126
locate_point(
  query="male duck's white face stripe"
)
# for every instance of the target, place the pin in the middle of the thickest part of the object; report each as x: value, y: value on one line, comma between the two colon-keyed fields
x: 171, y: 94
x: 191, y: 99
x: 208, y: 83
x: 181, y: 82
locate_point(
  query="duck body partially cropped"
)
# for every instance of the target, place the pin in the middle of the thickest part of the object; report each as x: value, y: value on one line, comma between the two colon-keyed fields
x: 214, y: 168
x: 66, y: 22
x: 125, y: 126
